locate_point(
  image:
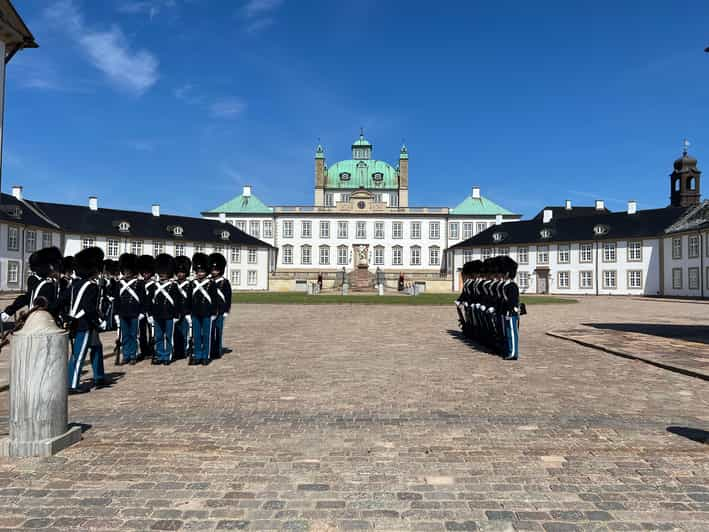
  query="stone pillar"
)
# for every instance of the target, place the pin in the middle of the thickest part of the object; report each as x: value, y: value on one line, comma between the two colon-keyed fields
x: 38, y: 390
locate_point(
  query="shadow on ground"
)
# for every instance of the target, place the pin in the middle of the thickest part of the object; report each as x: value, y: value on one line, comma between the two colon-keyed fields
x: 458, y: 335
x: 698, y: 435
x: 692, y: 333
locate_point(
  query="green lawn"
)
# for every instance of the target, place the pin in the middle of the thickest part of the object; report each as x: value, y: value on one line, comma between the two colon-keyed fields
x: 371, y: 299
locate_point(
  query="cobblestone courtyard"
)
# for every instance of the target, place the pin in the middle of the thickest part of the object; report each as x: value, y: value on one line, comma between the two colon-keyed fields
x: 358, y: 417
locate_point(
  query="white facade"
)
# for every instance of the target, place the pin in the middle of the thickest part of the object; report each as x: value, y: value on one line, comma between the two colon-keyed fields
x: 17, y: 243
x: 686, y: 264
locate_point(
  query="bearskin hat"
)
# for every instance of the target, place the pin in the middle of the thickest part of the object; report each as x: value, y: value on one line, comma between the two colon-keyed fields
x: 165, y: 264
x: 111, y: 267
x: 200, y: 262
x: 88, y: 262
x: 476, y: 267
x: 68, y: 265
x: 146, y: 264
x: 508, y: 267
x: 468, y: 268
x: 47, y: 261
x: 183, y: 264
x: 217, y: 262
x: 128, y: 264
x: 488, y: 266
x: 33, y: 261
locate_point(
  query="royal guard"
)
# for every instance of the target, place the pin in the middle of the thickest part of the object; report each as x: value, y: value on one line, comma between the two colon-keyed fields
x: 85, y: 318
x: 165, y: 308
x: 183, y: 327
x: 217, y: 265
x: 109, y: 288
x: 203, y: 310
x: 146, y: 269
x: 48, y: 266
x: 511, y: 309
x: 130, y: 305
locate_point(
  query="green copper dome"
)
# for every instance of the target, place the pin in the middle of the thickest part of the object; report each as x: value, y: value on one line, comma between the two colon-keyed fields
x: 361, y: 141
x: 371, y: 174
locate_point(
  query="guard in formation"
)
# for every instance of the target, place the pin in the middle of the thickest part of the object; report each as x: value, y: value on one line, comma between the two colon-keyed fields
x: 489, y: 307
x: 157, y: 311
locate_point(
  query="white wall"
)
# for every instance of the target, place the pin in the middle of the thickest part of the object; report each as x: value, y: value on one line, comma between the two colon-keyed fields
x: 684, y: 263
x: 20, y: 256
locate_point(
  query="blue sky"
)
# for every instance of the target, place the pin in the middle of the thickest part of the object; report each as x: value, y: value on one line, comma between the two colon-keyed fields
x: 182, y: 102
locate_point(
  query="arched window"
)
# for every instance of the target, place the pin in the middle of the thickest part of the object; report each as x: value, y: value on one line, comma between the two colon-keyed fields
x: 415, y: 255
x: 287, y: 254
x: 692, y: 183
x: 676, y: 185
x: 306, y: 255
x: 379, y: 255
x: 434, y: 256
x: 342, y: 255
x: 324, y: 255
x: 397, y: 253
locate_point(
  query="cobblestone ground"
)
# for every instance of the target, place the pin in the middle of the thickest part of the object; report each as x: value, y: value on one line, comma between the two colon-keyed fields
x: 358, y: 417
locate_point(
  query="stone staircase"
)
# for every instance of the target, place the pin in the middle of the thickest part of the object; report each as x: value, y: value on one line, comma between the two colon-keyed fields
x: 361, y: 280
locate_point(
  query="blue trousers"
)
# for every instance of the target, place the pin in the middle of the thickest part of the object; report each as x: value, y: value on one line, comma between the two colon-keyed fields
x: 78, y: 354
x: 218, y: 336
x: 164, y: 339
x: 182, y: 338
x: 129, y: 338
x: 512, y: 336
x: 201, y: 336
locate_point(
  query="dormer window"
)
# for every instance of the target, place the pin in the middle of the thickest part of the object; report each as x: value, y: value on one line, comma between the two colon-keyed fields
x: 499, y: 237
x: 224, y: 235
x: 177, y: 230
x: 545, y: 233
x: 378, y: 176
x: 600, y: 229
x: 123, y: 226
x: 345, y: 176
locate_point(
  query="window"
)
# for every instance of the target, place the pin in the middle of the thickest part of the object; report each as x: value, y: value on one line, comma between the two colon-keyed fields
x: 635, y: 251
x: 396, y: 256
x: 251, y: 258
x: 240, y: 225
x: 543, y: 255
x: 324, y: 255
x: 378, y: 229
x: 324, y: 229
x: 255, y: 228
x: 393, y: 200
x: 693, y: 246
x: 287, y: 228
x: 46, y: 240
x: 467, y: 255
x: 177, y: 231
x: 124, y: 226
x: 377, y: 196
x: 235, y: 255
x: 586, y: 279
x: 415, y: 229
x: 486, y: 253
x: 434, y: 256
x: 480, y: 227
x: 112, y: 248
x: 179, y: 249
x: 198, y: 248
x: 434, y: 230
x: 305, y: 255
x: 693, y: 278
x: 563, y: 279
x: 341, y: 229
x: 219, y: 249
x: 379, y: 255
x: 345, y: 197
x: 306, y: 229
x: 90, y: 242
x: 415, y: 256
x: 235, y: 277
x: 342, y: 253
x: 502, y: 252
x: 287, y: 255
x: 329, y: 199
x: 609, y: 279
x: 13, y: 271
x: 677, y: 248
x: 564, y: 254
x: 635, y: 279
x: 677, y: 278
x: 136, y: 247
x: 397, y: 230
x: 267, y: 229
x: 609, y: 251
x: 13, y: 239
x: 586, y: 253
x: 467, y: 230
x: 453, y: 230
x: 523, y: 255
x: 251, y: 277
x: 361, y: 229
x: 524, y: 280
x: 158, y: 247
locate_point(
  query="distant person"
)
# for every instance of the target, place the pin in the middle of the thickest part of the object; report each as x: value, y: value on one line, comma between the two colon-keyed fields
x: 400, y: 284
x: 319, y: 282
x: 130, y: 306
x: 222, y: 286
x: 183, y: 327
x: 204, y: 310
x: 165, y: 308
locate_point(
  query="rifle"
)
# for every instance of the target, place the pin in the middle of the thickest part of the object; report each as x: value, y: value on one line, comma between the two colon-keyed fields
x: 117, y: 346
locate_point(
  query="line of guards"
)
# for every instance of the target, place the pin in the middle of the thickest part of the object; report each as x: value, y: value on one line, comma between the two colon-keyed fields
x: 489, y: 307
x: 156, y: 309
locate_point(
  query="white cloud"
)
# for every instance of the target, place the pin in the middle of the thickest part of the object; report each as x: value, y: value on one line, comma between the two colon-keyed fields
x: 227, y: 108
x: 109, y: 51
x: 149, y: 7
x: 256, y: 8
x: 188, y: 94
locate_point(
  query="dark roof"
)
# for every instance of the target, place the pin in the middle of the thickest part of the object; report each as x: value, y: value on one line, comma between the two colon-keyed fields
x: 563, y: 212
x: 694, y: 219
x: 82, y: 220
x: 13, y: 210
x: 647, y: 223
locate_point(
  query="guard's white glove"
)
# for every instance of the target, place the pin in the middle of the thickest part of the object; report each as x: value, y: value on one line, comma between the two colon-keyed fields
x: 5, y: 316
x: 141, y: 316
x: 151, y: 321
x: 189, y: 319
x: 213, y: 317
x: 226, y: 315
x: 102, y: 325
x: 117, y: 320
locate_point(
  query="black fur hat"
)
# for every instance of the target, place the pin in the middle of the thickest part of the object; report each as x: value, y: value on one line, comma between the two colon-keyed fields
x: 68, y: 265
x: 468, y: 268
x: 200, y: 261
x: 477, y: 266
x: 508, y: 267
x: 165, y: 264
x: 217, y: 262
x: 183, y: 264
x: 33, y: 261
x: 88, y: 262
x: 146, y: 264
x: 111, y: 267
x: 47, y: 261
x: 128, y: 264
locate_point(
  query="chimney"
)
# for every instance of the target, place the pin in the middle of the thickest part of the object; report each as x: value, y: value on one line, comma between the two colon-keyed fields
x: 498, y: 219
x: 93, y: 203
x: 567, y: 205
x: 632, y: 207
x: 247, y: 191
x: 547, y: 215
x: 476, y: 193
x: 156, y: 209
x: 600, y: 205
x: 222, y: 217
x: 17, y: 192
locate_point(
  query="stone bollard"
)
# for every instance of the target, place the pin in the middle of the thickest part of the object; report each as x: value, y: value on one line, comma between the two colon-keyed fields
x: 345, y: 289
x: 381, y: 289
x: 310, y: 288
x: 38, y: 390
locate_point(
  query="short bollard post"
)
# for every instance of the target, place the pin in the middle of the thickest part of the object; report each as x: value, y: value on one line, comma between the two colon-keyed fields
x: 38, y: 390
x: 381, y: 289
x: 345, y: 289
